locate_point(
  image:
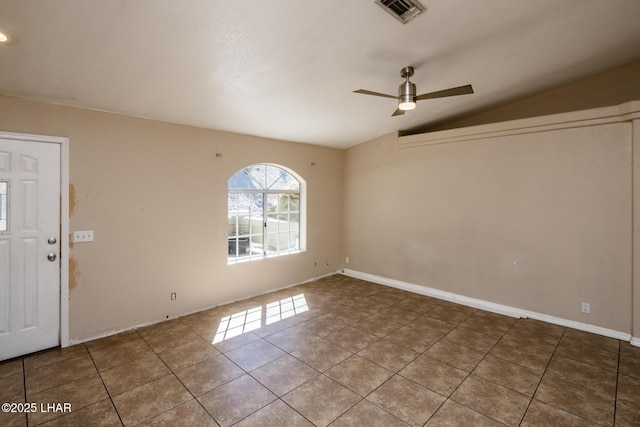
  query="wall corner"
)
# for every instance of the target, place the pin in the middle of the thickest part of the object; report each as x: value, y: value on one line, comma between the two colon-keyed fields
x: 635, y: 234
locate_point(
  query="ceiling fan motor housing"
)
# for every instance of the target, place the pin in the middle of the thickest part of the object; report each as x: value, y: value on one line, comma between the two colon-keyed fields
x: 407, y: 92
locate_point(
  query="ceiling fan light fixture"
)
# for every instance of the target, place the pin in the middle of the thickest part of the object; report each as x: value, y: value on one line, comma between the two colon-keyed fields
x: 406, y: 105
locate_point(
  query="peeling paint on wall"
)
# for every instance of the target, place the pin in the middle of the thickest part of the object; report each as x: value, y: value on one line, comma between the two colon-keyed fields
x: 74, y: 273
x: 72, y: 199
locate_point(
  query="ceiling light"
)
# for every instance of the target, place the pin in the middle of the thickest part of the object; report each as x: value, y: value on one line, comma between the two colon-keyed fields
x: 407, y: 105
x: 3, y: 37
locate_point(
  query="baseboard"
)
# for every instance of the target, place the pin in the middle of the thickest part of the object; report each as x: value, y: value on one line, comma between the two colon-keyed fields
x: 491, y: 306
x: 108, y: 333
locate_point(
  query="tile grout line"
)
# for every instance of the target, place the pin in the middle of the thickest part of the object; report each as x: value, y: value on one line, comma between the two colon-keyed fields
x: 543, y: 374
x: 471, y: 372
x: 280, y: 397
x: 615, y: 396
x: 533, y: 394
x: 323, y: 373
x: 180, y: 381
x: 320, y: 373
x: 545, y: 371
x: 104, y: 385
x: 398, y: 372
x: 548, y: 363
x: 175, y: 376
x: 24, y: 382
x: 58, y: 385
x: 381, y: 384
x: 221, y: 354
x: 287, y: 353
x: 248, y: 373
x: 446, y: 398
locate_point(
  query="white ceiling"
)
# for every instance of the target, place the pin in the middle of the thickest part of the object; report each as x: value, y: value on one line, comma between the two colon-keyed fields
x: 286, y: 69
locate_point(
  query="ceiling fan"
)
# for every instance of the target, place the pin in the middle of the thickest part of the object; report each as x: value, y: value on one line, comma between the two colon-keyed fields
x: 407, y: 93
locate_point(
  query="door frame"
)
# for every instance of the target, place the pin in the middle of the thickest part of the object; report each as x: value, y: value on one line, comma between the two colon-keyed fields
x: 64, y: 221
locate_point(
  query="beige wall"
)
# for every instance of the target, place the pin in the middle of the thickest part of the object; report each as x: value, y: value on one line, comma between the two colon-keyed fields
x: 156, y: 197
x: 536, y: 221
x: 611, y: 87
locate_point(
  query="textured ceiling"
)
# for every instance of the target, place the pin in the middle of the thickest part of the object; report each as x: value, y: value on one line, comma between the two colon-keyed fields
x: 286, y: 69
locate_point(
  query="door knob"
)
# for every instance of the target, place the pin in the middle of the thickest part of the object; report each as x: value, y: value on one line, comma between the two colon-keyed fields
x: 52, y: 257
x: 52, y: 240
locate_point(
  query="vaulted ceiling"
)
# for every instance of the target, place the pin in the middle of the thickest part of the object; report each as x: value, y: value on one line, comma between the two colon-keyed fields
x: 287, y: 69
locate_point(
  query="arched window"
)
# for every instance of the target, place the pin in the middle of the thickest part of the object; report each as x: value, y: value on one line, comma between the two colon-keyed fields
x: 266, y: 212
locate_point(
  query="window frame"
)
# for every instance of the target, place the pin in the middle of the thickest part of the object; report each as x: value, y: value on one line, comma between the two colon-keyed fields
x: 265, y: 232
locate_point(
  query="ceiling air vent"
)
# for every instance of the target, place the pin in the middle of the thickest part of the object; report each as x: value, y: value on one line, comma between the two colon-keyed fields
x: 403, y: 10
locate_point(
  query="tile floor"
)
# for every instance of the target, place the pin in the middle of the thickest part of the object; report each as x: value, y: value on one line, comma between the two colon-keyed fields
x: 339, y: 352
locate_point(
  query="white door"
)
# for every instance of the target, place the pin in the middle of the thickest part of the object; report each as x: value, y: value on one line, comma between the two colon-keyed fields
x: 29, y: 247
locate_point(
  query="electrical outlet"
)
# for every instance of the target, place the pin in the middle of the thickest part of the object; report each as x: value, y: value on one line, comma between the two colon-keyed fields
x: 346, y: 260
x: 173, y: 296
x: 83, y: 236
x: 586, y: 307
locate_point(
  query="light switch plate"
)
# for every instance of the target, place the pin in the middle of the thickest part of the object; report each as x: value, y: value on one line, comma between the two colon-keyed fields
x: 83, y: 236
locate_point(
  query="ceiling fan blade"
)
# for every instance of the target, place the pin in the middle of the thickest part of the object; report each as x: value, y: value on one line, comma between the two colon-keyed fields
x: 398, y: 112
x: 368, y: 92
x: 454, y: 91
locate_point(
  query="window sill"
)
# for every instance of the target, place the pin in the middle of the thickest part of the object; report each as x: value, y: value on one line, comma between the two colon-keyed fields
x: 232, y: 261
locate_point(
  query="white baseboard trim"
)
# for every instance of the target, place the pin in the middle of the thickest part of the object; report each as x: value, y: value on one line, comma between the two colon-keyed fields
x: 491, y: 306
x: 108, y: 333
